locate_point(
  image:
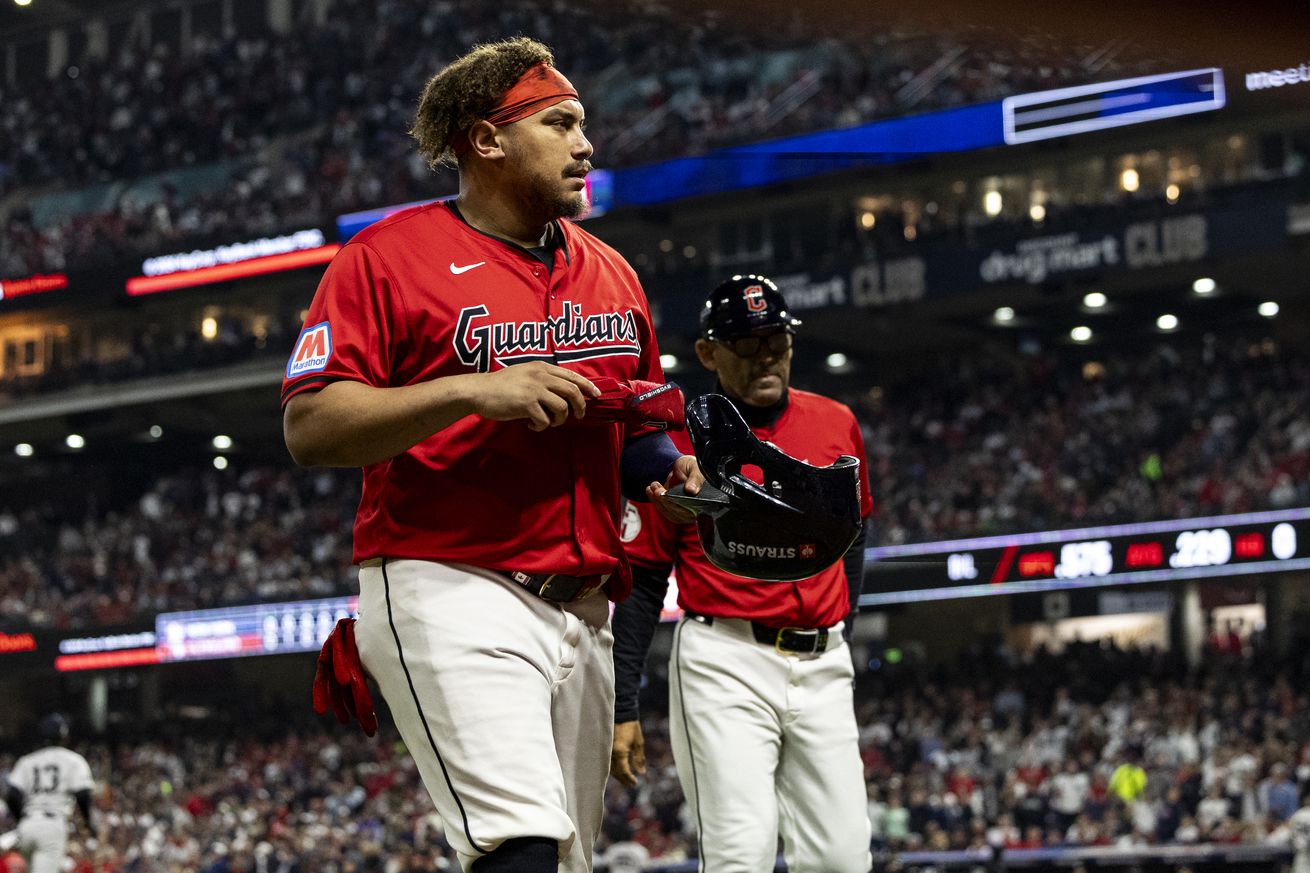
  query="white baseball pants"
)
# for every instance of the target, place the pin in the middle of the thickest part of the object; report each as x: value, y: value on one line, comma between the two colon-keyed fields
x: 42, y: 840
x: 506, y: 701
x: 766, y: 744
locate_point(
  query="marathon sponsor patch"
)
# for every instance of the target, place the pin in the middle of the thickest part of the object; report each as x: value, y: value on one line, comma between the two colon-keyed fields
x: 313, y: 350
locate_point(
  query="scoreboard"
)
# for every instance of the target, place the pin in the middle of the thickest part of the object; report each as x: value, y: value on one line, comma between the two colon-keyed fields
x: 1160, y: 551
x: 257, y: 629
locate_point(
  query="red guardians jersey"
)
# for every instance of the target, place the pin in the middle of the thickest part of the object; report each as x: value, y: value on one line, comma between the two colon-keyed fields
x: 422, y: 295
x: 812, y: 428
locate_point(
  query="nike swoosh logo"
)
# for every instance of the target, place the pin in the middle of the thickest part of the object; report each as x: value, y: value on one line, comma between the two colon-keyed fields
x: 458, y: 270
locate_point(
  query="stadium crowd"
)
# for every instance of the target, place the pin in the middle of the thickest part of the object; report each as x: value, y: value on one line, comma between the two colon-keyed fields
x: 1003, y: 443
x: 292, y: 131
x: 986, y: 444
x: 194, y: 539
x: 1093, y: 746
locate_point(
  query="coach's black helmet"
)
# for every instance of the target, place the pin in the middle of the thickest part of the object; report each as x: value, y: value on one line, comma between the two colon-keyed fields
x: 54, y: 728
x: 743, y: 305
x: 799, y: 523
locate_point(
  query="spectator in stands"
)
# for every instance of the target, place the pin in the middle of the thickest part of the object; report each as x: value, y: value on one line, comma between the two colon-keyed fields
x: 1277, y: 796
x: 1128, y: 780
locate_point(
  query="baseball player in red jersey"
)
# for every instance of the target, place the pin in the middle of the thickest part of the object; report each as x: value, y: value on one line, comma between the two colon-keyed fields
x: 762, y: 719
x: 450, y: 351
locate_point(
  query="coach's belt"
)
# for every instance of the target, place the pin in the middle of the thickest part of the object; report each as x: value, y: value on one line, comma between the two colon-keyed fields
x: 556, y: 587
x: 786, y: 640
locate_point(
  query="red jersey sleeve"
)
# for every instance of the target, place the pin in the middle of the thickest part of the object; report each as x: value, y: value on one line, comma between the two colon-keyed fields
x: 649, y: 539
x: 353, y: 325
x: 648, y: 367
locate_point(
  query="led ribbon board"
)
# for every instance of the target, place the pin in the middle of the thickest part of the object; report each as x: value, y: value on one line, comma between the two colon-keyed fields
x: 1128, y: 554
x: 1086, y: 108
x: 305, y: 248
x: 256, y: 629
x: 11, y: 288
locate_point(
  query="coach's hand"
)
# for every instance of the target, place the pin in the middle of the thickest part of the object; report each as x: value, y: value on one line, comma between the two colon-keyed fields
x: 542, y: 393
x: 628, y: 755
x: 686, y: 472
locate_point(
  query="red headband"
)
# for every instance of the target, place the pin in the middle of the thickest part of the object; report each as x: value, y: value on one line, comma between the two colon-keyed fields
x: 541, y: 86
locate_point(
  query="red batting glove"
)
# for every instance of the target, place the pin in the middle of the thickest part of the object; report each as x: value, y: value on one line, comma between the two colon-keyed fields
x: 652, y: 404
x: 340, y: 681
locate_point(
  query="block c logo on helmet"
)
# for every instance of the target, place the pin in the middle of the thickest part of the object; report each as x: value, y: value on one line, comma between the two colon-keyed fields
x: 755, y: 301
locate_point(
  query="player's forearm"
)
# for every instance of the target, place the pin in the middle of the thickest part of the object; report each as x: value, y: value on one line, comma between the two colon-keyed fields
x: 634, y: 628
x: 350, y: 424
x: 84, y: 804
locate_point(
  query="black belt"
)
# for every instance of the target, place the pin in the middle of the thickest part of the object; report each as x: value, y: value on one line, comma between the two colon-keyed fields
x: 556, y: 587
x: 796, y: 640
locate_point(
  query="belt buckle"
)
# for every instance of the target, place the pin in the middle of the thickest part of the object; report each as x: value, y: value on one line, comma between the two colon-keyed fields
x: 545, y: 586
x: 812, y: 632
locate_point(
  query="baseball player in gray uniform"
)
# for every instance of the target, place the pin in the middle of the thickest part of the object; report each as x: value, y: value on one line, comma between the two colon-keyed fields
x: 41, y: 791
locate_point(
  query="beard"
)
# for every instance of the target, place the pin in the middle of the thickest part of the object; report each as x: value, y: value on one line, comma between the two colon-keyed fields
x: 544, y: 195
x: 546, y: 198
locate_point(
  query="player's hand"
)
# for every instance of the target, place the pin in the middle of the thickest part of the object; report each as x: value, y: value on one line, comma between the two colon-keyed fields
x: 543, y: 394
x: 340, y: 682
x: 628, y: 755
x: 686, y: 472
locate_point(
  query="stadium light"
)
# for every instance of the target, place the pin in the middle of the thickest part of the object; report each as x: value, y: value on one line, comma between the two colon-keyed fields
x: 156, y: 431
x: 868, y: 219
x: 1130, y: 181
x: 669, y: 362
x: 209, y: 327
x: 1094, y: 300
x: 1204, y: 285
x: 22, y: 2
x: 1080, y: 334
x: 1268, y: 309
x: 1037, y: 212
x: 222, y: 442
x: 220, y: 462
x: 992, y: 203
x: 1172, y: 193
x: 24, y: 450
x: 1004, y: 315
x: 1167, y: 322
x: 74, y: 441
x: 837, y: 360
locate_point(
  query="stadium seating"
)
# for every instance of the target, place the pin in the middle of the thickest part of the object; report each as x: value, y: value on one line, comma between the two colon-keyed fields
x: 1014, y: 750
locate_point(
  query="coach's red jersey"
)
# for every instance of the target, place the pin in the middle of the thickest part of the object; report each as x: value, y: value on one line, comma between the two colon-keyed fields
x: 815, y: 430
x: 422, y: 295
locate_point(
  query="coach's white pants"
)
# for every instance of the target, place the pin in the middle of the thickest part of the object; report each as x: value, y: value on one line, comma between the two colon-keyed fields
x: 505, y: 701
x: 42, y: 840
x: 766, y: 745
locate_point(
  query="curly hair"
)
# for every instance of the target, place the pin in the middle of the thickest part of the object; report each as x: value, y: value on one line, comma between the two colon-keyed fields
x: 468, y: 89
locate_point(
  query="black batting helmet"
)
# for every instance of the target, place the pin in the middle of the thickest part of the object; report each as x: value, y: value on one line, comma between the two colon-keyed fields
x: 798, y: 523
x: 743, y: 305
x: 54, y: 727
